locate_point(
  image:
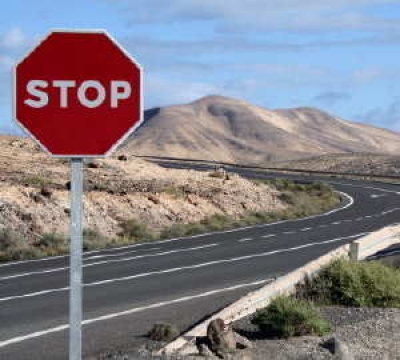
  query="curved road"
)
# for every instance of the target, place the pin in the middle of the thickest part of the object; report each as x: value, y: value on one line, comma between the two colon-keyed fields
x: 179, y: 281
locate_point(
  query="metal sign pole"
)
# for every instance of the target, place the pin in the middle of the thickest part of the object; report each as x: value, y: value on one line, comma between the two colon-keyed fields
x: 75, y: 294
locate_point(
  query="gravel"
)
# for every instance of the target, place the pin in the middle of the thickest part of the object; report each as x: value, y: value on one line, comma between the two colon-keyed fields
x: 370, y: 333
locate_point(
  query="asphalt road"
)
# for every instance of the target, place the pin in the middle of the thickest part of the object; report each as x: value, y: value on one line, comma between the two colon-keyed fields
x: 180, y: 280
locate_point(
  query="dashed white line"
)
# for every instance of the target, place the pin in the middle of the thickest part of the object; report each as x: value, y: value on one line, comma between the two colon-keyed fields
x: 245, y: 239
x: 180, y: 250
x: 268, y: 236
x: 196, y: 266
x: 288, y: 232
x: 116, y: 255
x: 306, y: 229
x: 347, y: 196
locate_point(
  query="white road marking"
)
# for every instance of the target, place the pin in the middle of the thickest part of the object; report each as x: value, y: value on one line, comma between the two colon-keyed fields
x: 288, y: 232
x: 360, y: 219
x: 268, y: 236
x: 189, y: 267
x: 336, y: 223
x: 375, y: 196
x: 390, y: 211
x: 350, y: 203
x: 63, y: 327
x: 109, y: 261
x: 364, y: 187
x: 306, y: 229
x: 116, y: 255
x: 245, y: 239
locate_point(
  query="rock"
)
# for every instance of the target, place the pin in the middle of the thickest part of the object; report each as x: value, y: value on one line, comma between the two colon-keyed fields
x: 93, y: 165
x: 154, y: 199
x: 46, y: 192
x: 37, y: 198
x: 122, y: 158
x: 203, y: 347
x: 221, y: 338
x: 242, y: 342
x: 339, y: 349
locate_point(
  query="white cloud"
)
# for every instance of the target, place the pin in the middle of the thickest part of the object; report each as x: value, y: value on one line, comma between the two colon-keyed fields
x: 164, y: 91
x: 330, y: 98
x: 388, y: 116
x: 365, y: 75
x: 247, y: 15
x: 13, y: 39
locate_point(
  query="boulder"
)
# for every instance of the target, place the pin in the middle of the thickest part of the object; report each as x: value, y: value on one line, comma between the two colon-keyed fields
x: 222, y: 340
x: 339, y: 349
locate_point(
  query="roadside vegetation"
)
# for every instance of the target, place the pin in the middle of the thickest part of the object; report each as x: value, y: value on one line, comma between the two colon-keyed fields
x: 301, y: 200
x: 355, y: 284
x: 163, y: 332
x: 287, y: 316
x: 342, y: 283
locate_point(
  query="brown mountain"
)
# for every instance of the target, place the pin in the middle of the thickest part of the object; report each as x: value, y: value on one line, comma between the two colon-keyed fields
x: 224, y: 129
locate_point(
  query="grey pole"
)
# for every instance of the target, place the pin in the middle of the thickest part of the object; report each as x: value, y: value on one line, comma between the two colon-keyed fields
x: 75, y: 294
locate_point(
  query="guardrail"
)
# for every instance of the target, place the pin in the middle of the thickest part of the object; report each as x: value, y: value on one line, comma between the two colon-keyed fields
x: 276, y: 169
x: 250, y: 303
x: 379, y: 240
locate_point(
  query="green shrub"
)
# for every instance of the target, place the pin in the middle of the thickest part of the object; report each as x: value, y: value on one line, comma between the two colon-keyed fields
x: 35, y: 180
x: 175, y: 192
x: 351, y: 283
x: 22, y: 253
x: 51, y: 240
x: 134, y: 230
x: 174, y: 231
x: 10, y: 239
x: 216, y: 222
x: 287, y: 316
x: 163, y: 332
x: 93, y: 239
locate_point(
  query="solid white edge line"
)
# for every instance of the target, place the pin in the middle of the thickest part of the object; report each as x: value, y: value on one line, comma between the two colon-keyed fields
x: 180, y: 250
x: 63, y: 327
x: 350, y: 203
x: 188, y: 267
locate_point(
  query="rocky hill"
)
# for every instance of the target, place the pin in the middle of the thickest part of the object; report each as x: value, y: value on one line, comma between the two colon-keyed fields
x: 367, y: 164
x: 224, y: 129
x: 34, y: 197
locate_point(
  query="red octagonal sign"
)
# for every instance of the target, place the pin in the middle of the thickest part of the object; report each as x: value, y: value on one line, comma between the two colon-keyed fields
x: 79, y: 94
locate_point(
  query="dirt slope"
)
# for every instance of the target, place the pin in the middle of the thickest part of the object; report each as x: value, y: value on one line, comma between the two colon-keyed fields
x: 115, y: 191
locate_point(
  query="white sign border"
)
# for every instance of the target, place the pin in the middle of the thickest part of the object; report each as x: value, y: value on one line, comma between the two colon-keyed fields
x: 123, y: 138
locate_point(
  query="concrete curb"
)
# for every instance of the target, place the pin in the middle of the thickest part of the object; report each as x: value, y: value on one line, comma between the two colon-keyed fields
x: 369, y: 245
x: 250, y: 303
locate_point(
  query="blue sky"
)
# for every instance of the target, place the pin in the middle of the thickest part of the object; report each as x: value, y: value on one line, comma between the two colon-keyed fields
x: 342, y: 56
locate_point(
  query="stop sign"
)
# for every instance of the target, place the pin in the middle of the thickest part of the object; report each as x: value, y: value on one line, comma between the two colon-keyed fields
x: 78, y: 94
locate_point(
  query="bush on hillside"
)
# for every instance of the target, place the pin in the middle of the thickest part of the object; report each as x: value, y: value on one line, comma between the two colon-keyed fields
x: 134, y: 230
